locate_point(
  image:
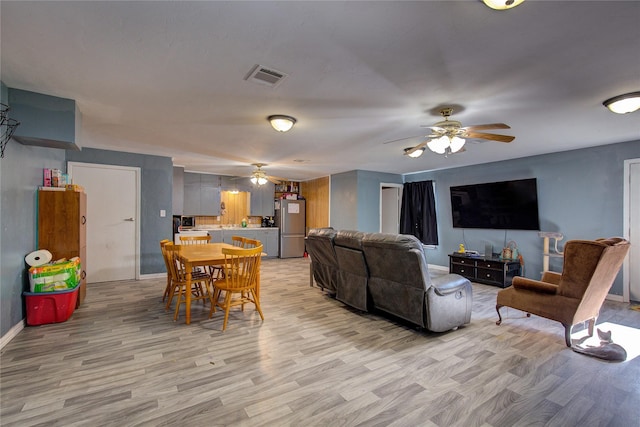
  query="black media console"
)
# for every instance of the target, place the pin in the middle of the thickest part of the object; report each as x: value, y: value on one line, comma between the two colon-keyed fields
x: 487, y: 270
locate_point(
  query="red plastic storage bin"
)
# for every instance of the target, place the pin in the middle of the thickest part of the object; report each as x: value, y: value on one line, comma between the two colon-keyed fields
x: 50, y: 307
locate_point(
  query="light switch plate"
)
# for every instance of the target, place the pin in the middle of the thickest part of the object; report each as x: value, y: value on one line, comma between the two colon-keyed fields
x: 163, y: 213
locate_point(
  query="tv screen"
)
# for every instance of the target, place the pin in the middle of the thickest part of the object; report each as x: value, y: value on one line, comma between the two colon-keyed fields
x: 506, y: 205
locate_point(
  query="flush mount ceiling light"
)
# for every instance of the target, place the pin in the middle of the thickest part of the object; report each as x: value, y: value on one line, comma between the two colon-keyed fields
x: 622, y: 104
x: 281, y: 123
x: 409, y: 151
x: 502, y: 4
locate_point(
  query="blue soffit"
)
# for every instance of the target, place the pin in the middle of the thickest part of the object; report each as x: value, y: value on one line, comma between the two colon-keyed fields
x: 45, y: 121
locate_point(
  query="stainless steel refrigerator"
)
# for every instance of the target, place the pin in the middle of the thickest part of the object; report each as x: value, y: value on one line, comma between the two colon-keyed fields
x: 291, y: 219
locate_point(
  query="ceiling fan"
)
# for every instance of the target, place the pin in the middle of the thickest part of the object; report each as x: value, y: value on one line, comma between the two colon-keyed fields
x: 260, y: 177
x: 448, y: 136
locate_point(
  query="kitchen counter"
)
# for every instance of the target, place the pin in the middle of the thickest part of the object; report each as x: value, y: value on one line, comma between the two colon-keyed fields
x: 248, y: 227
x: 269, y: 236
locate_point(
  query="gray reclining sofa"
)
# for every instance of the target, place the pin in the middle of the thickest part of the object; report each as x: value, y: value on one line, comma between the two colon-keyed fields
x: 388, y: 272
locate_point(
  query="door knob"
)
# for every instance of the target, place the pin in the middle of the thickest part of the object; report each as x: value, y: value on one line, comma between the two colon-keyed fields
x: 128, y: 219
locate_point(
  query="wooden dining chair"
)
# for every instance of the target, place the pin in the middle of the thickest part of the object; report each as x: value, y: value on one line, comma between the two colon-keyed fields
x: 195, y: 240
x: 165, y: 257
x: 251, y: 243
x: 215, y: 271
x: 238, y: 241
x: 200, y: 282
x: 239, y: 285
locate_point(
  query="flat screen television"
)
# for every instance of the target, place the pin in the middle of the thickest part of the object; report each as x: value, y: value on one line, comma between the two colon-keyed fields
x: 506, y: 205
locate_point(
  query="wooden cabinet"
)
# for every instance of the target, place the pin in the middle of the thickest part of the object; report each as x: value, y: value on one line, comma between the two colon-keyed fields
x: 201, y: 194
x: 267, y: 236
x: 491, y: 271
x: 269, y: 239
x: 262, y: 200
x: 62, y: 228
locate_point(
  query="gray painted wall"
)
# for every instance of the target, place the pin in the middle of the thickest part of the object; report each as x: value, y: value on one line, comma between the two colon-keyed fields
x: 355, y: 199
x: 580, y: 195
x: 156, y: 187
x: 21, y: 174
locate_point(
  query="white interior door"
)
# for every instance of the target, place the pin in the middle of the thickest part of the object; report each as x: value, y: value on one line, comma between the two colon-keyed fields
x: 390, y: 199
x: 112, y: 219
x: 633, y: 261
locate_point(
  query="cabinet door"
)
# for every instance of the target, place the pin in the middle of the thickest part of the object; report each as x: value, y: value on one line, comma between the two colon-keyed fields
x: 262, y: 200
x: 191, y: 194
x: 270, y: 242
x: 216, y: 236
x: 209, y: 195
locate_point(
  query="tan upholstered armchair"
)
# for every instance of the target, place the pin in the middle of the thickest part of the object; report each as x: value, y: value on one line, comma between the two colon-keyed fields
x: 576, y: 295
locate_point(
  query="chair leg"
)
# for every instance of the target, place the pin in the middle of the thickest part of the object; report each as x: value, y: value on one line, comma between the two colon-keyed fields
x: 180, y: 293
x: 257, y: 303
x: 567, y: 334
x: 227, y: 308
x: 498, y: 307
x: 591, y: 326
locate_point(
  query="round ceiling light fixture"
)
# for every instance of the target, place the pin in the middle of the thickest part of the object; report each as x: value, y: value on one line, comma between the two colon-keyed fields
x: 502, y: 4
x: 623, y: 104
x: 281, y: 123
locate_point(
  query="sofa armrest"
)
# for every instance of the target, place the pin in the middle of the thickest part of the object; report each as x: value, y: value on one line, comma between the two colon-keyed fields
x: 449, y: 283
x: 551, y: 277
x: 534, y: 285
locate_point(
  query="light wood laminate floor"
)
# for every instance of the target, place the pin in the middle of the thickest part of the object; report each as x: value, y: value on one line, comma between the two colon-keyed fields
x: 122, y: 361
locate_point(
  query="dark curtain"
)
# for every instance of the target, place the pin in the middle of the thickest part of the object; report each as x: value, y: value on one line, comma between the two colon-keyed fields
x: 418, y: 212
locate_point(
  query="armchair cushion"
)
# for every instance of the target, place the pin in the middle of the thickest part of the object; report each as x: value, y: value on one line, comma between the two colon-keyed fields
x: 534, y: 285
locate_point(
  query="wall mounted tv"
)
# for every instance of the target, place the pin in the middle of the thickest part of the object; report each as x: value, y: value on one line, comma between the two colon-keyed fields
x: 506, y: 205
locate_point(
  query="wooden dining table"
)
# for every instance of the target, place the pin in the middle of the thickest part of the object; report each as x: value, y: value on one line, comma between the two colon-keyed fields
x: 202, y: 256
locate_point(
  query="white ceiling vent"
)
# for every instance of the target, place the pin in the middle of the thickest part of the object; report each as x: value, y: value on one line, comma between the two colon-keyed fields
x: 265, y: 76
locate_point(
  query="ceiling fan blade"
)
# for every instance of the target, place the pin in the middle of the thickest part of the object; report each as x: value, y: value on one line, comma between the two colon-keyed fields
x: 274, y: 180
x: 488, y: 126
x: 403, y: 139
x: 490, y: 136
x: 416, y: 148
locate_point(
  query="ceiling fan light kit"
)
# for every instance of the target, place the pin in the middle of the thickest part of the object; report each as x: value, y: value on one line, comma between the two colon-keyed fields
x: 502, y: 4
x: 623, y: 104
x: 281, y: 123
x: 448, y: 136
x: 414, y: 153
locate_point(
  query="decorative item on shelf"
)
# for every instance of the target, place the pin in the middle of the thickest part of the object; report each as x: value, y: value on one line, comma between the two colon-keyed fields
x: 510, y: 251
x: 461, y: 248
x: 7, y: 127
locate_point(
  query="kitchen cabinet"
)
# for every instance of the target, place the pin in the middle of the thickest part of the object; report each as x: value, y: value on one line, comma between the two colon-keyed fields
x: 262, y: 198
x: 267, y: 236
x: 201, y: 194
x: 269, y: 239
x: 62, y: 229
x: 216, y: 236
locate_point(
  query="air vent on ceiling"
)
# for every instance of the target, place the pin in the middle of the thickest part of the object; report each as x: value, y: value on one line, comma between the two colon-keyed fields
x: 266, y: 76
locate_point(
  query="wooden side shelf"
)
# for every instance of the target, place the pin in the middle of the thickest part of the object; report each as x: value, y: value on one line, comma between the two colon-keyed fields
x: 490, y: 270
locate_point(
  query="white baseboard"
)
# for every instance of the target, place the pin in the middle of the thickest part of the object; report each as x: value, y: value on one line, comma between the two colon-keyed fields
x: 153, y: 276
x: 11, y: 334
x: 617, y: 298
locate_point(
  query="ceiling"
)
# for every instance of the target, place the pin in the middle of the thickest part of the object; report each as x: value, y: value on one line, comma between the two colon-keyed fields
x: 168, y: 78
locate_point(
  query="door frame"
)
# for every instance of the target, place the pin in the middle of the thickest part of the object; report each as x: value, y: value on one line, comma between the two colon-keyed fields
x: 626, y: 224
x: 137, y: 173
x: 384, y: 185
